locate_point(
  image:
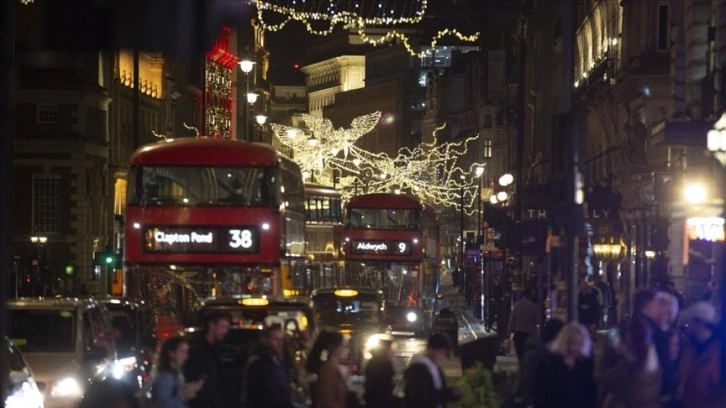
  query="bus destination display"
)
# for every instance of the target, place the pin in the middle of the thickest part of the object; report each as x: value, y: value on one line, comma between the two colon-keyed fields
x: 202, y: 239
x: 381, y: 247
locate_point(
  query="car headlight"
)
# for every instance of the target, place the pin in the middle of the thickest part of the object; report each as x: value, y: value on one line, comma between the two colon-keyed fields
x: 122, y: 366
x: 27, y: 395
x: 67, y: 387
x: 411, y: 317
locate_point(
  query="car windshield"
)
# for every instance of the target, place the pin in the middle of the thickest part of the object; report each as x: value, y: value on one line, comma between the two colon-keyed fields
x: 43, y: 330
x: 347, y: 311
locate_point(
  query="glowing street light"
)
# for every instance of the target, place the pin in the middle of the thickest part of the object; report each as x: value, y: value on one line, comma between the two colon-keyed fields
x: 246, y: 66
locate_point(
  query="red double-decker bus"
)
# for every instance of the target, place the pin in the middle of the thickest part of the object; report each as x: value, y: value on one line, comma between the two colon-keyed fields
x: 391, y: 244
x: 212, y: 217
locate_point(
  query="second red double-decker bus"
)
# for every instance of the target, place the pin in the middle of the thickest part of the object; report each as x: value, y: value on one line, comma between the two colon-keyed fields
x: 212, y: 217
x: 390, y: 244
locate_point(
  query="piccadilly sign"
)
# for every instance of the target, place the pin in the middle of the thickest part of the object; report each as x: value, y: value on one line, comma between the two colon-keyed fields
x: 381, y: 247
x: 202, y: 239
x: 706, y: 228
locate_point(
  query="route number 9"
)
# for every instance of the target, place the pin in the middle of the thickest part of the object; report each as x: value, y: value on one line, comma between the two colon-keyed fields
x: 240, y: 238
x: 402, y: 247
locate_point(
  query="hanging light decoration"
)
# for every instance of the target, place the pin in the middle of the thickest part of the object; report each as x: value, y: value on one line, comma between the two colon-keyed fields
x: 359, y: 15
x: 429, y: 171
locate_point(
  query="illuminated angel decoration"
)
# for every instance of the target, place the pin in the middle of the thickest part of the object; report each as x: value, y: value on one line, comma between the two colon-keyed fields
x: 324, y: 147
x: 430, y: 171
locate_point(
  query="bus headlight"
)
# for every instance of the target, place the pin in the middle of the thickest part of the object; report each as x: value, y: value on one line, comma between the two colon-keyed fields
x: 411, y: 317
x: 67, y: 387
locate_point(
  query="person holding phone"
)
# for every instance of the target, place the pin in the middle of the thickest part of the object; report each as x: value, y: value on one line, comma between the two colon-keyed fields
x: 168, y: 389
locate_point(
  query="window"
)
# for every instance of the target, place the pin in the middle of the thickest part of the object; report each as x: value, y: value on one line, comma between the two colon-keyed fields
x: 486, y: 149
x: 119, y: 200
x: 663, y: 27
x: 47, y: 113
x: 46, y: 203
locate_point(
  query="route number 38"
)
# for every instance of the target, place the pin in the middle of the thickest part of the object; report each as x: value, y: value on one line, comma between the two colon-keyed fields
x: 240, y: 238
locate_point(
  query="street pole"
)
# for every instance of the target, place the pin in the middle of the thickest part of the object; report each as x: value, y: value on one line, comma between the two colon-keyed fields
x: 480, y: 242
x: 461, y: 236
x: 573, y: 179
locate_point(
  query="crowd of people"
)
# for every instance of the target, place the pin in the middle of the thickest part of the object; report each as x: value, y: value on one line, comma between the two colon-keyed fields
x: 661, y: 357
x: 187, y: 375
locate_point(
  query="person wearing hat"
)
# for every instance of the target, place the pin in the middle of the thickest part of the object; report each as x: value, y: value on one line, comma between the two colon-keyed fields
x: 699, y: 366
x: 425, y: 384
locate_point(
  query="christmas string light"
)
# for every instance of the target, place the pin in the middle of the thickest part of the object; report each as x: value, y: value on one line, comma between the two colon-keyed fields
x: 353, y: 19
x: 342, y: 16
x: 407, y: 42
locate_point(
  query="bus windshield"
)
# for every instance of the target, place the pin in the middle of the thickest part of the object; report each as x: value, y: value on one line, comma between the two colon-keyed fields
x: 383, y: 219
x: 201, y: 186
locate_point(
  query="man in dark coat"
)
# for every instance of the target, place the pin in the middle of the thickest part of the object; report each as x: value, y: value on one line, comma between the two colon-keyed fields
x: 425, y: 384
x: 379, y: 375
x: 203, y: 361
x: 267, y: 383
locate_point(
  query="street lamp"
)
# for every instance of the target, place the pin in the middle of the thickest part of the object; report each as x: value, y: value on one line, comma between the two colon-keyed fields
x: 261, y: 119
x: 39, y: 241
x: 246, y: 66
x: 312, y: 141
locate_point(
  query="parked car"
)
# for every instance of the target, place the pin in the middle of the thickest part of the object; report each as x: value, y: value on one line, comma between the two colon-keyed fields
x: 20, y: 388
x: 67, y: 342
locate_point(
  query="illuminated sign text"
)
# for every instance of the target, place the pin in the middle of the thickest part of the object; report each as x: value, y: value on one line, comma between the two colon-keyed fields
x: 201, y: 239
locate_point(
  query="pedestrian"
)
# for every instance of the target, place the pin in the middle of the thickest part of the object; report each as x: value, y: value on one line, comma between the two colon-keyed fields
x: 699, y: 367
x: 267, y: 382
x: 379, y: 373
x: 523, y: 321
x: 536, y: 350
x: 589, y: 306
x: 424, y: 381
x: 168, y: 389
x: 658, y: 310
x: 329, y: 387
x: 203, y: 362
x: 607, y: 301
x: 456, y: 277
x: 636, y: 380
x: 564, y: 378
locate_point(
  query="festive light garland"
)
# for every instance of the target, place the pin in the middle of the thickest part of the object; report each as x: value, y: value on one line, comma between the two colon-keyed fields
x: 342, y: 16
x: 332, y: 18
x: 430, y: 171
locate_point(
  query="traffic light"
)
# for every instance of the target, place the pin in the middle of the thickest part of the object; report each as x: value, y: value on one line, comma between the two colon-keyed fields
x: 70, y: 270
x: 107, y: 258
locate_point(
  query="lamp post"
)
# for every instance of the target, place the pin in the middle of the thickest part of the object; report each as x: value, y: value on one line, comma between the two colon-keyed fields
x: 246, y: 66
x: 716, y: 144
x: 479, y: 239
x: 261, y: 120
x: 461, y: 219
x: 39, y: 242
